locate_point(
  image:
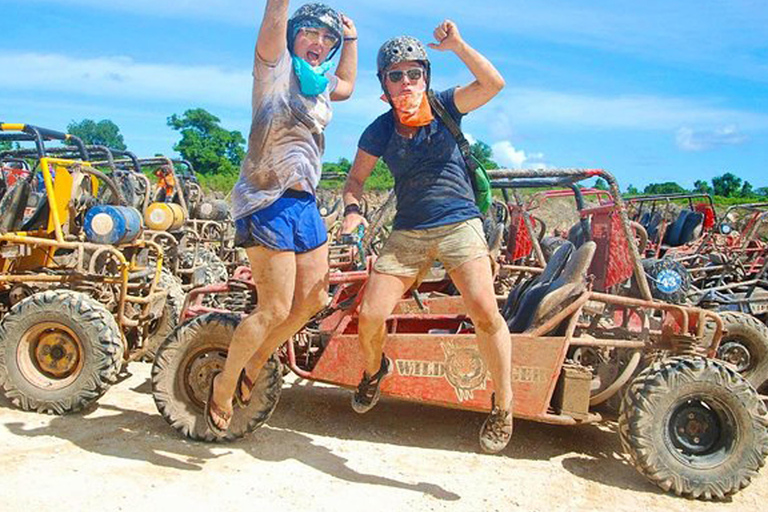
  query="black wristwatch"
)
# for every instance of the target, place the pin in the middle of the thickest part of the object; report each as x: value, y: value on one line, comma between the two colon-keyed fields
x: 352, y: 208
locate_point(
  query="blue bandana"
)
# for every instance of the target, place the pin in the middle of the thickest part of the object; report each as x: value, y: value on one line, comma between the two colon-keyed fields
x: 312, y: 79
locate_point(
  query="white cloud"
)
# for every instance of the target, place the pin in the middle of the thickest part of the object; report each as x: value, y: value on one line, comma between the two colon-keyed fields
x: 122, y: 77
x: 689, y: 139
x: 656, y: 29
x: 517, y: 107
x: 230, y: 11
x: 506, y: 155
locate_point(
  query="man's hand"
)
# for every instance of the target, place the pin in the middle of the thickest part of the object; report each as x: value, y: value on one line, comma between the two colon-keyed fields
x: 350, y: 31
x: 447, y: 36
x: 351, y: 222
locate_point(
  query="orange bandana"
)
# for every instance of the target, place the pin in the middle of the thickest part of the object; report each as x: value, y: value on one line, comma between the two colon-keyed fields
x: 412, y: 109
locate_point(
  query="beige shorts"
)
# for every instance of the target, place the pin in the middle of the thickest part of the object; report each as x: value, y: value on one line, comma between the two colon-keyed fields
x: 411, y: 252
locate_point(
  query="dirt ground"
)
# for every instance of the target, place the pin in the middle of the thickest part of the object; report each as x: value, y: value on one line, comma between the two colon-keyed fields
x: 316, y: 454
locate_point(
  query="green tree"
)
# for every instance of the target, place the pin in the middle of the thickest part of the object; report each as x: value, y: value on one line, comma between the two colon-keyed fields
x: 668, y: 187
x: 5, y: 145
x: 727, y: 185
x: 746, y: 190
x: 632, y: 190
x: 702, y: 186
x: 381, y: 177
x: 484, y: 154
x: 211, y: 148
x: 342, y: 166
x: 762, y: 192
x: 600, y: 184
x: 103, y: 133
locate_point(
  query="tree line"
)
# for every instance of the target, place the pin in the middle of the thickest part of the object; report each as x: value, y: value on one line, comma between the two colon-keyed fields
x: 216, y: 154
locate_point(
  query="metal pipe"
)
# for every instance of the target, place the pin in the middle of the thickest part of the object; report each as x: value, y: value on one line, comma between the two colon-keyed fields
x: 616, y: 385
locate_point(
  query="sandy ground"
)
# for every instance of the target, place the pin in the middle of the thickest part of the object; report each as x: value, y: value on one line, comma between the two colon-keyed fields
x: 316, y: 454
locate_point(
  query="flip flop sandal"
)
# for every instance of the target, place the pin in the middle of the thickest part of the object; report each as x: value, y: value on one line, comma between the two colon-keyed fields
x: 210, y: 406
x: 246, y: 381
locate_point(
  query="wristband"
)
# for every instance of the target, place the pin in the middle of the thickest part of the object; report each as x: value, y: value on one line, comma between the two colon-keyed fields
x: 352, y: 208
x: 350, y: 39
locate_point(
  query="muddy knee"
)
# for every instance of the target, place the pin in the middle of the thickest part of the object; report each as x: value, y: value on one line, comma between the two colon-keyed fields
x: 268, y: 316
x: 487, y: 321
x: 316, y: 302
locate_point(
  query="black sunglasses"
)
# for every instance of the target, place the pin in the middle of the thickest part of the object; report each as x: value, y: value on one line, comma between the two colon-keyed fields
x: 414, y: 74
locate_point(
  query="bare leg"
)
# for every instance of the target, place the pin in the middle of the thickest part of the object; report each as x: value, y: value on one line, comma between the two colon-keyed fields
x: 474, y: 280
x: 274, y: 274
x: 382, y: 291
x: 310, y: 296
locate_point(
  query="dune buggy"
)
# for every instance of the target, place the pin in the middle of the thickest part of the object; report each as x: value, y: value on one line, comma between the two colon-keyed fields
x: 75, y: 308
x: 690, y: 424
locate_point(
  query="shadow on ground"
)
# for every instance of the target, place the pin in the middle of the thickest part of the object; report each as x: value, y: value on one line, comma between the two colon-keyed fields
x: 590, y: 452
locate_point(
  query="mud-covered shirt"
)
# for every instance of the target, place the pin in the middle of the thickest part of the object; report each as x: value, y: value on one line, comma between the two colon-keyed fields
x: 431, y: 180
x: 286, y: 142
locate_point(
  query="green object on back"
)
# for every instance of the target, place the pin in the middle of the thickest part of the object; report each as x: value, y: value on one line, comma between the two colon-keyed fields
x: 483, y: 195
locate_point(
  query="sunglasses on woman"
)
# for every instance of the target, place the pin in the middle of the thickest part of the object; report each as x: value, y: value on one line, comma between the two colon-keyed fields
x: 317, y: 37
x: 414, y: 74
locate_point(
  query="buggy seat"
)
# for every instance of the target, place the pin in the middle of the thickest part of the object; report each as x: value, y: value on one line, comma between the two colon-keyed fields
x: 564, y: 279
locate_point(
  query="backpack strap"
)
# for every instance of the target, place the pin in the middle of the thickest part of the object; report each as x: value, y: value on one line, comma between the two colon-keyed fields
x: 466, y: 149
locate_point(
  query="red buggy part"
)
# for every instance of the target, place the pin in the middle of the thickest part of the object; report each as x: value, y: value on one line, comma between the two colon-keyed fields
x: 581, y: 349
x: 612, y: 264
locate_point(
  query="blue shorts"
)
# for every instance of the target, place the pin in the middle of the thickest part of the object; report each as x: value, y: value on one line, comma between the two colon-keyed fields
x: 292, y: 223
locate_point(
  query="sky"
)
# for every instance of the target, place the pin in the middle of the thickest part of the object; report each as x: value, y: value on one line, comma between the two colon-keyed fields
x: 649, y: 90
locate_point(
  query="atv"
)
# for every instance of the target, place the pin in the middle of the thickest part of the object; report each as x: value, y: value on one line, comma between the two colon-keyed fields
x: 689, y: 423
x: 79, y: 297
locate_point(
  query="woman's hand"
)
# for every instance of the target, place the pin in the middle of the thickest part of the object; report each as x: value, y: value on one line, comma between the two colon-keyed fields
x: 350, y: 31
x: 447, y: 36
x: 351, y: 222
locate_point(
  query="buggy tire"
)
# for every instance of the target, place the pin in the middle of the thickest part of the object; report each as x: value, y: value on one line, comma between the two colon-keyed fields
x: 162, y: 327
x: 668, y: 279
x: 214, y: 270
x: 694, y: 427
x: 745, y: 345
x: 182, y: 373
x: 60, y: 351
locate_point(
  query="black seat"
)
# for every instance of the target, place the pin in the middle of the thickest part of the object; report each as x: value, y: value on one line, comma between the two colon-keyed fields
x: 580, y: 232
x: 692, y: 228
x: 538, y: 285
x: 39, y: 217
x: 551, y: 272
x: 541, y: 300
x: 12, y: 207
x: 652, y: 227
x: 672, y: 236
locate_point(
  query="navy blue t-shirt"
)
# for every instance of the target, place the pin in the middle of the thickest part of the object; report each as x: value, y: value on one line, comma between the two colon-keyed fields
x: 431, y: 180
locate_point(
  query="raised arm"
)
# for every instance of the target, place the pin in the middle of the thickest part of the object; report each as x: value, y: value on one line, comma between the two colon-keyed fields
x: 488, y: 81
x: 346, y: 71
x: 361, y: 169
x: 272, y: 40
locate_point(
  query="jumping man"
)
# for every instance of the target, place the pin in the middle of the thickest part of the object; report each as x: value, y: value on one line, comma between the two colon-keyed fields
x: 436, y: 214
x: 273, y: 203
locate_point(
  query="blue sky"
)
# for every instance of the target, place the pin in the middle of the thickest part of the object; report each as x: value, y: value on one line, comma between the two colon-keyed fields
x: 652, y: 91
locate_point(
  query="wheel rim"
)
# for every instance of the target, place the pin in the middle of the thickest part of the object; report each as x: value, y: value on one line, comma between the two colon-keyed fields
x: 701, y: 432
x: 198, y: 371
x: 50, y: 355
x: 735, y: 353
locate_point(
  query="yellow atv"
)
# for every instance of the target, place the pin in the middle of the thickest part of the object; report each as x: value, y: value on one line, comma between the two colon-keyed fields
x: 78, y: 296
